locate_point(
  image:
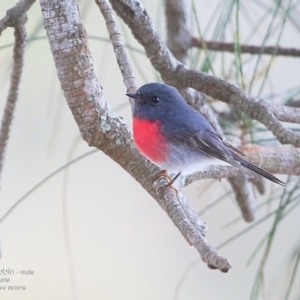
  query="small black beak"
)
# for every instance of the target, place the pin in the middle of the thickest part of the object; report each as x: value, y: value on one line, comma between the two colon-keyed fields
x: 134, y: 96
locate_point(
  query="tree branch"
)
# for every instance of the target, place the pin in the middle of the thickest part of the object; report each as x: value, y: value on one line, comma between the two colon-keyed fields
x: 250, y: 49
x: 279, y: 160
x: 17, y: 19
x: 284, y: 113
x: 259, y: 184
x: 246, y: 204
x: 118, y: 45
x: 188, y: 223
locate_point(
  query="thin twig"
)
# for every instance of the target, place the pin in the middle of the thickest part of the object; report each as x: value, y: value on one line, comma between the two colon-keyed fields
x: 17, y: 67
x: 259, y: 184
x: 118, y: 45
x: 245, y: 202
x: 245, y: 49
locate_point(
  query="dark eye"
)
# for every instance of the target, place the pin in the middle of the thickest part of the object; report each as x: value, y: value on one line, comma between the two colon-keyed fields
x: 154, y: 99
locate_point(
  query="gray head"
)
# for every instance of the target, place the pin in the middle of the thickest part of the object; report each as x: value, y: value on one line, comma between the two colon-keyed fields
x: 153, y: 101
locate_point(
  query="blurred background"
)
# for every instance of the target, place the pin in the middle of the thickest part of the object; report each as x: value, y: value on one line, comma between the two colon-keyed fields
x: 90, y: 231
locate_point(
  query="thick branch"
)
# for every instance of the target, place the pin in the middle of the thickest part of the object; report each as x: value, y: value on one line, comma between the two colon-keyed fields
x: 285, y: 113
x: 98, y: 124
x: 174, y: 73
x: 242, y: 196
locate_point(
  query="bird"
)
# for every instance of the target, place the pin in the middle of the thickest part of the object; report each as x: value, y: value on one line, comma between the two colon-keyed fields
x: 177, y: 138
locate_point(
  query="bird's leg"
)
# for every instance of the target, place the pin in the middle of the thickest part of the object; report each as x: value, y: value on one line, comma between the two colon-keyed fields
x: 171, y: 180
x: 164, y: 174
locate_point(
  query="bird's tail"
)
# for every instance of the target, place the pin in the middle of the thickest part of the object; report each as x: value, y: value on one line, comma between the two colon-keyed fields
x: 258, y: 171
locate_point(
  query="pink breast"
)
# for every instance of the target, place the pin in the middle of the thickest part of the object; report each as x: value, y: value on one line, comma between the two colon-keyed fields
x: 149, y: 139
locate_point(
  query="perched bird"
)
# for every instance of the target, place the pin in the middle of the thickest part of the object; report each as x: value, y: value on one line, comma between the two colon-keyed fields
x: 177, y: 138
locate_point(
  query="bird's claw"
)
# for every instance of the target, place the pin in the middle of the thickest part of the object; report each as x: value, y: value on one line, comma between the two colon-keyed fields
x: 164, y: 174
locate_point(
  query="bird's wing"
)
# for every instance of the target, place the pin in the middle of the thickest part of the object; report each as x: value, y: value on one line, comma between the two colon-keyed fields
x: 212, y: 144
